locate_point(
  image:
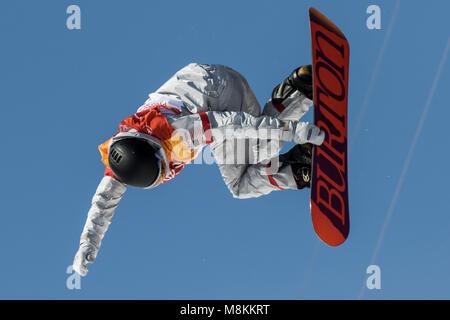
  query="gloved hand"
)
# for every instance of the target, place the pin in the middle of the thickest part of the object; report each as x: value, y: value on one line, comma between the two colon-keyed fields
x: 300, y: 79
x: 84, y: 255
x: 306, y: 132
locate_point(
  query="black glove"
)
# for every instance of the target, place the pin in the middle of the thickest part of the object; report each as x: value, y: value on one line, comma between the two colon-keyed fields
x: 300, y: 79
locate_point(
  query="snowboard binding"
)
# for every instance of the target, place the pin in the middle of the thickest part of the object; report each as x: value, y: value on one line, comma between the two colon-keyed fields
x: 300, y: 160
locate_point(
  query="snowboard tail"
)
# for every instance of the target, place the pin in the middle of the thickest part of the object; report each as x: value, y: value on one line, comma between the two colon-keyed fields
x: 329, y: 187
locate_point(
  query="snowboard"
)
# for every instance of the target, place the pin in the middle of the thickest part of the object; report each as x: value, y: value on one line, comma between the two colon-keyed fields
x: 329, y: 184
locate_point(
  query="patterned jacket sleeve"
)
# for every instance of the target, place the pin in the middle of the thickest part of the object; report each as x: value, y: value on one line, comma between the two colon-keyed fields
x: 206, y: 127
x: 104, y: 202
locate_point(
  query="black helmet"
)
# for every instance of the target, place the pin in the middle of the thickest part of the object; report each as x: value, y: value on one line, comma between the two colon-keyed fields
x: 133, y: 162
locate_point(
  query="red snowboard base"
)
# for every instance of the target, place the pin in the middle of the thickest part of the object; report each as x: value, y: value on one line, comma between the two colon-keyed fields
x: 329, y: 187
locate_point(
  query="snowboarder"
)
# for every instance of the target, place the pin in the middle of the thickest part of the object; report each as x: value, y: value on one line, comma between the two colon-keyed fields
x: 200, y: 105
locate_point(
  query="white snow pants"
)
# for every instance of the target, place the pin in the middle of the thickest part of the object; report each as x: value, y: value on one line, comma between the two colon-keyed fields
x: 219, y: 88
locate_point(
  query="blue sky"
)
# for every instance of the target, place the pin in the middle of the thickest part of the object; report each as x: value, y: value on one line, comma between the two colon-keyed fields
x: 64, y: 92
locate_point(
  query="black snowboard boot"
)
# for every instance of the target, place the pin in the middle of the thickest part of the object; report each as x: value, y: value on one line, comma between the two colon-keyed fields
x: 300, y: 79
x: 300, y: 159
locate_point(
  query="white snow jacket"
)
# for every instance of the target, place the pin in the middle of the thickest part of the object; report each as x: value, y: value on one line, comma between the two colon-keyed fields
x: 210, y: 104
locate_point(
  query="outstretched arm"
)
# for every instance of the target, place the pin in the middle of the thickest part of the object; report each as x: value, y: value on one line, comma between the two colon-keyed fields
x: 104, y: 202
